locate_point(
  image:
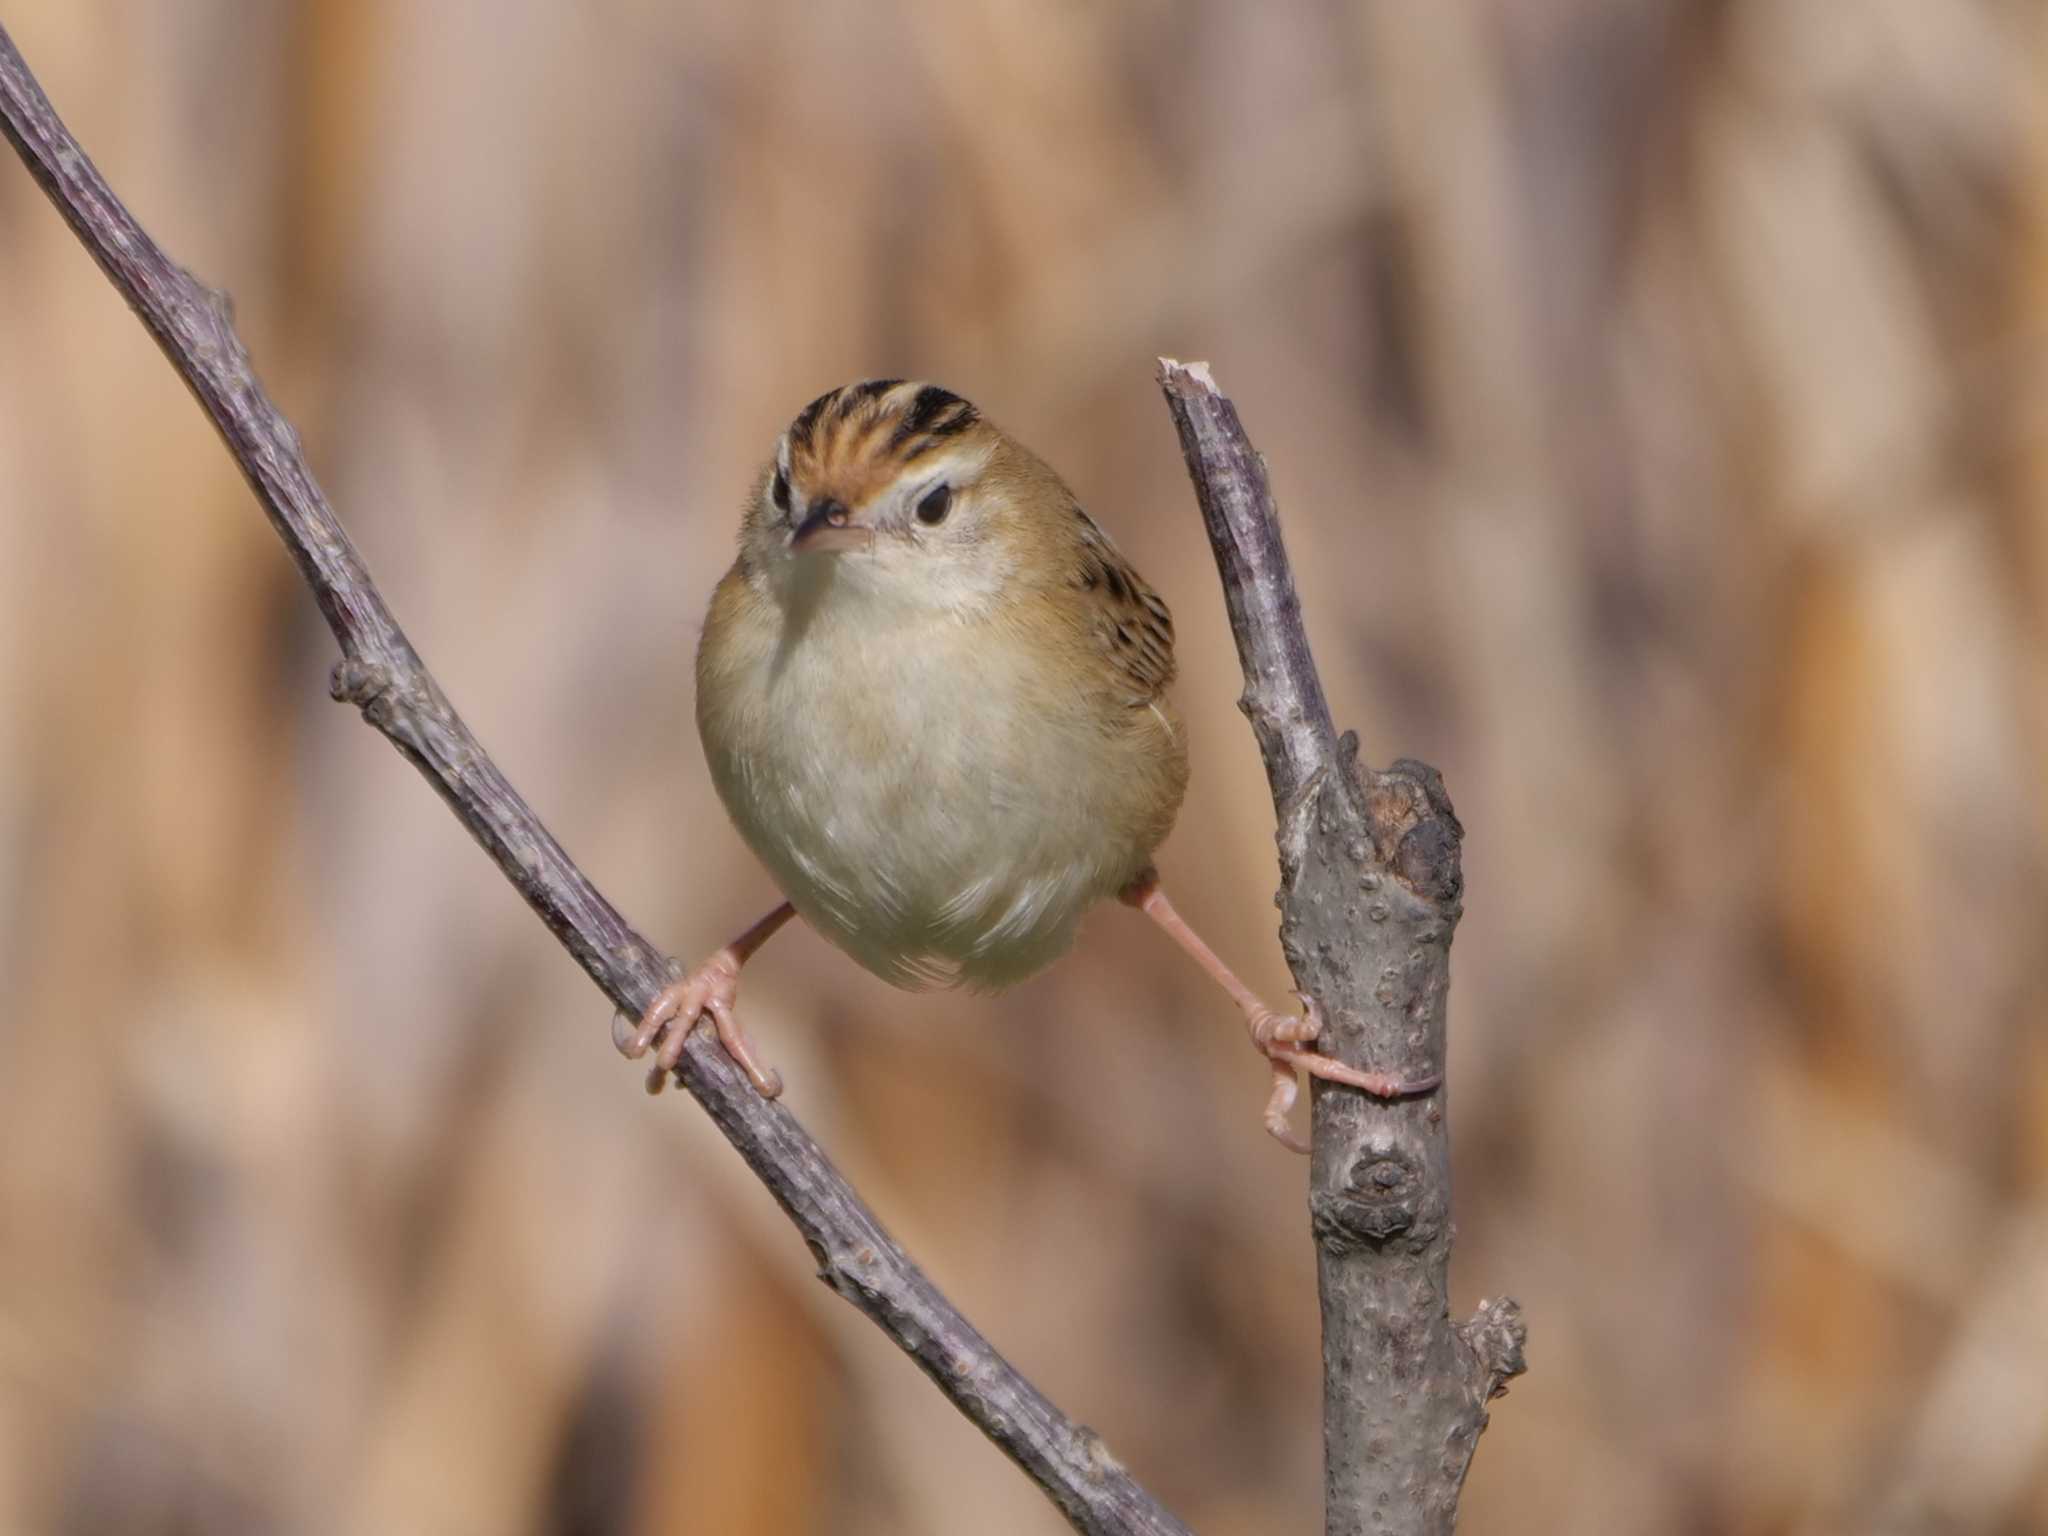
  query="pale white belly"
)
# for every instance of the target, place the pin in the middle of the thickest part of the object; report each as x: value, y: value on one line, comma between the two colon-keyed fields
x: 923, y: 802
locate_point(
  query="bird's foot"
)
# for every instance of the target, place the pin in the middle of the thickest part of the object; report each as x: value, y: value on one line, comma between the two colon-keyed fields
x: 1286, y: 1043
x: 709, y: 991
x: 1269, y: 1029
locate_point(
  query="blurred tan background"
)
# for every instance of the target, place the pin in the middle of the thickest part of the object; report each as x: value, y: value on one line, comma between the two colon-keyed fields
x: 1654, y: 392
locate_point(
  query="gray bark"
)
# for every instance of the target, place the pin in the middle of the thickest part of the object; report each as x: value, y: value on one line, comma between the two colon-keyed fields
x: 1370, y: 890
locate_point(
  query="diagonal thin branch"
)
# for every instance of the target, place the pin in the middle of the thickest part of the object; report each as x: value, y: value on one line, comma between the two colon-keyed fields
x: 1370, y: 891
x: 382, y: 674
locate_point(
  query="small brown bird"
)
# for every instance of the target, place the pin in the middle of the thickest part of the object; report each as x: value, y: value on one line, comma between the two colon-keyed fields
x: 933, y: 698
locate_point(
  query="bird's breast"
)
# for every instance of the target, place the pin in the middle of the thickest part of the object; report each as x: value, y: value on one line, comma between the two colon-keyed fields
x: 928, y: 793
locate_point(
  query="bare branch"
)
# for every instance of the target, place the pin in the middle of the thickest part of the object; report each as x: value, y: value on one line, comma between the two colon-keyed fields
x: 382, y: 674
x: 1370, y: 891
x: 1283, y: 695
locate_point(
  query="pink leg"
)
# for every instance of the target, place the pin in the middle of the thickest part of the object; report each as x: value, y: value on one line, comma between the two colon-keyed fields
x: 709, y: 990
x: 1282, y: 1040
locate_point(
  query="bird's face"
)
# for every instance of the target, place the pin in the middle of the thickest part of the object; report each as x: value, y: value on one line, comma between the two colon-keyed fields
x: 897, y: 492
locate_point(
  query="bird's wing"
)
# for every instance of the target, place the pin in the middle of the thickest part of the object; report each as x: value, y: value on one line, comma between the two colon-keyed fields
x: 1127, y: 621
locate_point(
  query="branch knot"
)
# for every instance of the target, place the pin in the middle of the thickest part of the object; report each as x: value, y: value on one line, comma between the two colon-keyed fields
x: 1381, y: 1197
x: 358, y: 682
x: 1415, y: 832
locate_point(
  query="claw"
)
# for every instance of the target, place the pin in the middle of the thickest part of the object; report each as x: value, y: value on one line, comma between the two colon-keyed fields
x: 1285, y: 1043
x: 708, y: 992
x: 766, y: 1080
x: 1269, y: 1028
x: 1286, y: 1088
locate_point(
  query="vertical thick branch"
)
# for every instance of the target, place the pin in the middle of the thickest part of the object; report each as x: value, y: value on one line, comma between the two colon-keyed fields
x: 383, y: 675
x: 1370, y: 891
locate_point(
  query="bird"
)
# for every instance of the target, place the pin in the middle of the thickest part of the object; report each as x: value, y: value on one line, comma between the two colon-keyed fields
x: 933, y: 697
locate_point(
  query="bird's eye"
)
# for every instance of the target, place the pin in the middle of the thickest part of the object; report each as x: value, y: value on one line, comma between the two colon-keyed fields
x: 780, y: 491
x: 935, y: 504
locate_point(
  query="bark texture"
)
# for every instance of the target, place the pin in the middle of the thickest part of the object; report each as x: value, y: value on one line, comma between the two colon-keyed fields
x: 1370, y: 891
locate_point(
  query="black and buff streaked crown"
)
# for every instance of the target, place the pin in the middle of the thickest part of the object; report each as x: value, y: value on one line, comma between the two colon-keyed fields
x: 853, y: 440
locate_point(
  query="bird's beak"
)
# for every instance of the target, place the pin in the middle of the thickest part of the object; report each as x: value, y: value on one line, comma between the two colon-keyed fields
x: 830, y: 527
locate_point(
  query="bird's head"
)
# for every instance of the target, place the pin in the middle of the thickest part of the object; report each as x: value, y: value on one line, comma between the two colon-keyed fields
x: 894, y: 490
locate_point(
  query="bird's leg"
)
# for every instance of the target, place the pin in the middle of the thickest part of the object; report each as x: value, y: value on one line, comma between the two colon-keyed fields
x: 710, y: 989
x: 1285, y: 1042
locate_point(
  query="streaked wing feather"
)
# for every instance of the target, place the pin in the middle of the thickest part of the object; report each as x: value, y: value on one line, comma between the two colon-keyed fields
x: 1129, y: 622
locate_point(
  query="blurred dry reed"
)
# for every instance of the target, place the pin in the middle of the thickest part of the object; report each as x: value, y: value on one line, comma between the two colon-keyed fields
x: 1653, y: 388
